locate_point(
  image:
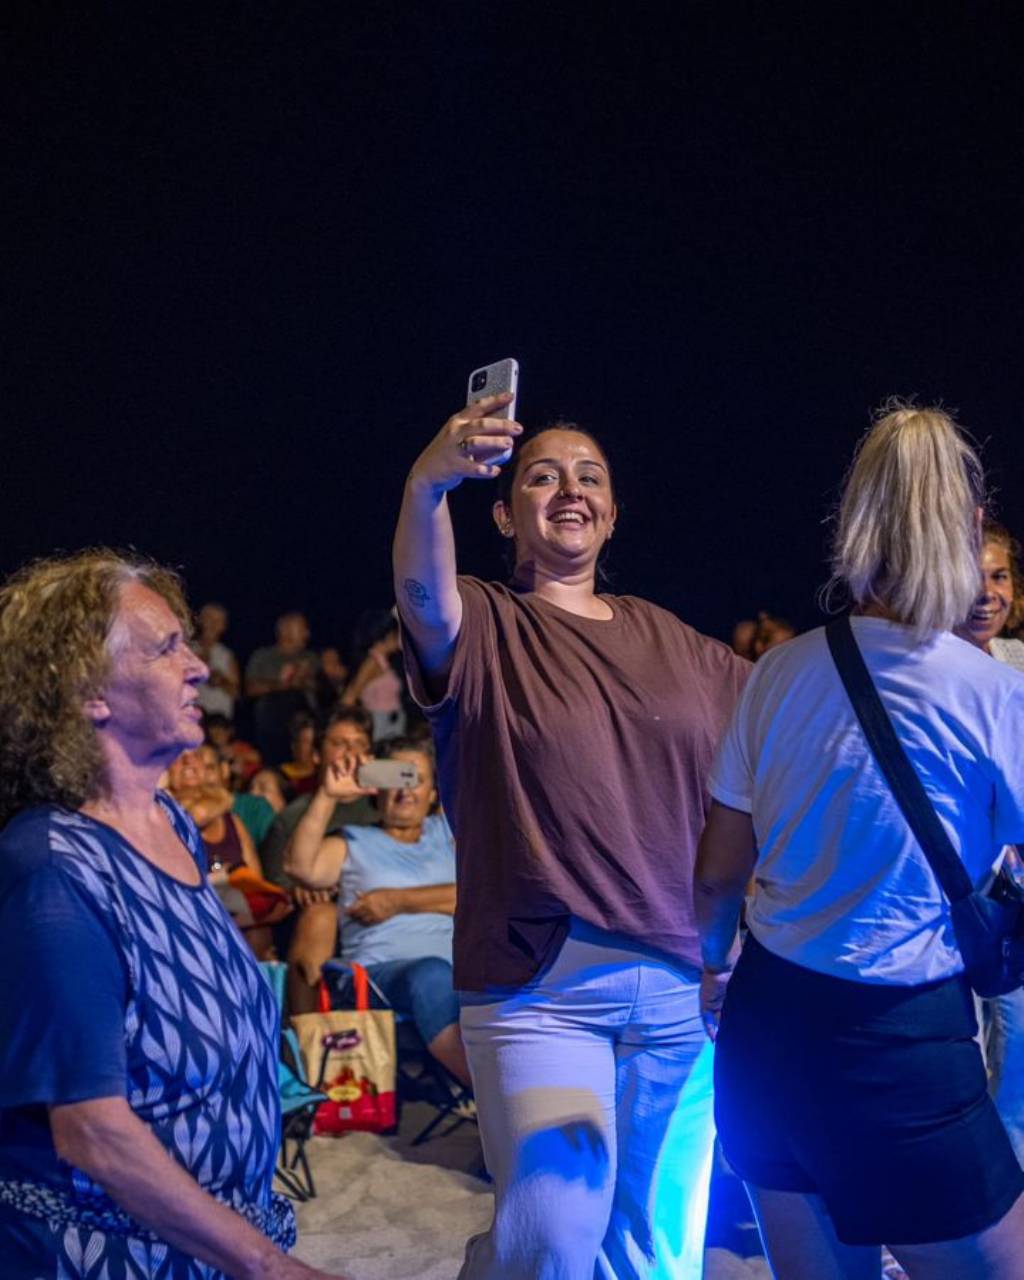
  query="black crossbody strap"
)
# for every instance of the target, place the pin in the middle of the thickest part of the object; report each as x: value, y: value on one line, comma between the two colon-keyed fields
x: 900, y: 774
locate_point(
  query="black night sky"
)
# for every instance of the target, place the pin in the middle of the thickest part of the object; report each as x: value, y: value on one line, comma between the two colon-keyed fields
x: 252, y: 251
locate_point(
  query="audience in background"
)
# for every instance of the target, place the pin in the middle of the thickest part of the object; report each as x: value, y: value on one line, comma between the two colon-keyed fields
x: 198, y: 781
x: 280, y: 680
x: 310, y: 937
x: 219, y: 692
x: 242, y: 757
x: 752, y: 637
x: 378, y: 685
x: 331, y: 679
x: 770, y: 632
x: 743, y: 638
x: 270, y: 785
x: 397, y: 893
x: 300, y: 769
x: 254, y: 810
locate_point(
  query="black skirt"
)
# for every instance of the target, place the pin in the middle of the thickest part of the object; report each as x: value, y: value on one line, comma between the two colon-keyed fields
x: 872, y: 1096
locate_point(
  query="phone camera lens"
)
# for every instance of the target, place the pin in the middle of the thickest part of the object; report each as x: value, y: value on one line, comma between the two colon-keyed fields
x: 479, y: 380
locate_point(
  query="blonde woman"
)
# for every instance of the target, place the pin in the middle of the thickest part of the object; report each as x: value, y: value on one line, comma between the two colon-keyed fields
x: 851, y: 1094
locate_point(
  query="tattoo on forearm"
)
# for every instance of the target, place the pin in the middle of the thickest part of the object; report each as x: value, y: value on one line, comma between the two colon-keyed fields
x: 416, y: 592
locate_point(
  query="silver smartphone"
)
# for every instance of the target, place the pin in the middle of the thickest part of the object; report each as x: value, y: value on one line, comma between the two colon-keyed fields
x: 492, y: 380
x: 387, y: 775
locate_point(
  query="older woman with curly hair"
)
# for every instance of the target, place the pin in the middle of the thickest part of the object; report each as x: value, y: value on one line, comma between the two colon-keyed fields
x: 138, y: 1092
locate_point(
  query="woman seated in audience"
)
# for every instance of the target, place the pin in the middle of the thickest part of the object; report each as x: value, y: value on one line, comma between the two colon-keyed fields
x: 197, y: 782
x: 270, y: 784
x: 379, y: 681
x: 300, y: 771
x: 397, y: 893
x: 242, y: 757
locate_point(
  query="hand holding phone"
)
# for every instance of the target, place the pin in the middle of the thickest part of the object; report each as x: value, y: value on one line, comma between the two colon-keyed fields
x: 496, y: 379
x: 475, y: 442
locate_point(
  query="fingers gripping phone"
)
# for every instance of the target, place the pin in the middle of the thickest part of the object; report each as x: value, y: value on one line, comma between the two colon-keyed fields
x: 387, y: 775
x: 492, y: 380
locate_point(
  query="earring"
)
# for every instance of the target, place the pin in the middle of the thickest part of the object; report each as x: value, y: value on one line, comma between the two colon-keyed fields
x: 506, y: 530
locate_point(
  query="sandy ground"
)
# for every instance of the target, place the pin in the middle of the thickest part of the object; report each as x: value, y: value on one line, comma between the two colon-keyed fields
x: 388, y: 1211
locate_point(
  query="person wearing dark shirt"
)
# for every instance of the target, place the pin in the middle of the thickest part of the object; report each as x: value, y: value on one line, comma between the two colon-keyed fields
x: 280, y: 679
x: 575, y: 732
x: 139, y: 1113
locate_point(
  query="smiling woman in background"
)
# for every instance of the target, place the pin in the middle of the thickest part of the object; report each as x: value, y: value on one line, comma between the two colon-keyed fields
x: 139, y: 1115
x: 999, y: 609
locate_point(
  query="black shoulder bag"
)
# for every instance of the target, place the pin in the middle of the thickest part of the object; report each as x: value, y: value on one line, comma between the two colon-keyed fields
x: 989, y: 927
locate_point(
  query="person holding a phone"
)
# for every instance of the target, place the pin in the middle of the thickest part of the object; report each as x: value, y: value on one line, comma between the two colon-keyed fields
x: 575, y: 732
x: 396, y: 886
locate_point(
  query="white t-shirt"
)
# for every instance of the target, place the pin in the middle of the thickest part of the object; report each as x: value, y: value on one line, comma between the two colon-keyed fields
x: 841, y: 884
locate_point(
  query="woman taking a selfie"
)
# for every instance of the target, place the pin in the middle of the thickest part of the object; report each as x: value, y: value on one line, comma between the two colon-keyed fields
x: 575, y: 731
x: 851, y: 1096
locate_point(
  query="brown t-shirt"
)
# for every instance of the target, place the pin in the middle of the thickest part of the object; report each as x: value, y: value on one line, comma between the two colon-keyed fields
x: 573, y: 758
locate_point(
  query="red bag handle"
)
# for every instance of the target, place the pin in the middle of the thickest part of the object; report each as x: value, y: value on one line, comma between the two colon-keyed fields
x: 360, y: 981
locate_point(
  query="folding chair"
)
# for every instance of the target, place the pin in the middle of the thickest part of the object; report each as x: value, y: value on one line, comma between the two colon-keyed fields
x: 299, y: 1100
x: 420, y: 1077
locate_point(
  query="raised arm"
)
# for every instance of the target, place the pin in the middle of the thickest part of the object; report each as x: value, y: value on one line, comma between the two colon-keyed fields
x: 312, y: 857
x: 208, y: 805
x: 424, y: 547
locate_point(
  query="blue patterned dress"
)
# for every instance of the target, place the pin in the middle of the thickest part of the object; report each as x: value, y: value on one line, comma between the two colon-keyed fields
x: 122, y: 981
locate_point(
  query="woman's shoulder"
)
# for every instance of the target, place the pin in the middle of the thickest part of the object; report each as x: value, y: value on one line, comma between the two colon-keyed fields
x: 49, y: 841
x: 685, y: 637
x: 25, y: 842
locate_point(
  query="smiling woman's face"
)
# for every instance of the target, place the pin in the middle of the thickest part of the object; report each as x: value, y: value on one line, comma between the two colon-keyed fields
x: 562, y: 508
x: 992, y: 607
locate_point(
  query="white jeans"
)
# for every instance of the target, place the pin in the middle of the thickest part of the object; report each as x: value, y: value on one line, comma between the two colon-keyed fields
x: 593, y: 1090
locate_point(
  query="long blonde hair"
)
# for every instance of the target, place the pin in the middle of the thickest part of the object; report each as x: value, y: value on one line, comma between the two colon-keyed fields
x: 907, y: 536
x: 55, y: 623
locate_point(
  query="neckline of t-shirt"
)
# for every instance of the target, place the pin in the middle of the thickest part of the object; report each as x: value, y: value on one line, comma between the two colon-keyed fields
x: 871, y: 622
x: 137, y: 852
x: 614, y: 620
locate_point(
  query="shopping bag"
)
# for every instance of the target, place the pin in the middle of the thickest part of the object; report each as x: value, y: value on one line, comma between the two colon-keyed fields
x: 350, y: 1056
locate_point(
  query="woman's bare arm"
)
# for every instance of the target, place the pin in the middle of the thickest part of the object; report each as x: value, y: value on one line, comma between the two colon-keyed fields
x: 725, y: 863
x: 311, y: 857
x: 424, y: 546
x: 106, y: 1140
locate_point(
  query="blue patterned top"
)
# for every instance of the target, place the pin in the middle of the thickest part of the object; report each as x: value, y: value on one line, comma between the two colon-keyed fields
x: 122, y: 981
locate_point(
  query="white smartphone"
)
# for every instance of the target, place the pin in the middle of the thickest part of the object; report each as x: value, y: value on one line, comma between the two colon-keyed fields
x: 492, y: 380
x: 387, y: 775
